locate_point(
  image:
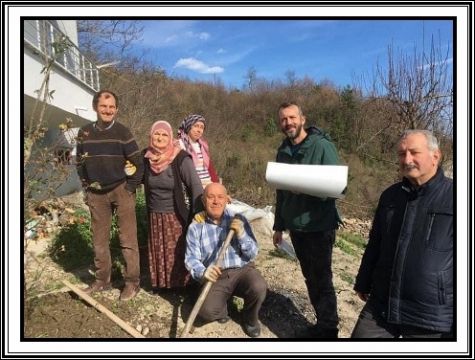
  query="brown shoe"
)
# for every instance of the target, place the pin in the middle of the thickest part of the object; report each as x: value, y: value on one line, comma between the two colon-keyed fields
x: 129, y: 291
x: 97, y: 286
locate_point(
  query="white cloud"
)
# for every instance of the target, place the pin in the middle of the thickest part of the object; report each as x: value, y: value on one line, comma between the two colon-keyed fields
x: 202, y: 35
x: 172, y: 33
x: 171, y: 38
x: 198, y: 66
x: 445, y: 62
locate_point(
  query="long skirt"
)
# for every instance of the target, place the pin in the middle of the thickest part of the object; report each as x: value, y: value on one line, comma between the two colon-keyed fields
x: 166, y: 251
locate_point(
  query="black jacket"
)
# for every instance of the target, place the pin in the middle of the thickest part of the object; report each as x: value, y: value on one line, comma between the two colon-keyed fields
x: 407, y: 267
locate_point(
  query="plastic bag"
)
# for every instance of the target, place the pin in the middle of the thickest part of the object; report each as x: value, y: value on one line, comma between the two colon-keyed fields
x: 286, y: 247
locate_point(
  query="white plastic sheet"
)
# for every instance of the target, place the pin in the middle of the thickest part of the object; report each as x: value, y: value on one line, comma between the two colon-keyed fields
x: 316, y: 180
x: 265, y: 216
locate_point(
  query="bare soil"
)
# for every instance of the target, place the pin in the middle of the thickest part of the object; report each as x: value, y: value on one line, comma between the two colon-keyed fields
x: 52, y: 310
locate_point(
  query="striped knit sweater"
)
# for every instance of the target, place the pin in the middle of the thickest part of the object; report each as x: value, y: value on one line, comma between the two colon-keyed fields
x: 101, y: 156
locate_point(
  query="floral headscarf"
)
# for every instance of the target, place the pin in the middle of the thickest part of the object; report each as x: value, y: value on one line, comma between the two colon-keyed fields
x: 183, y: 130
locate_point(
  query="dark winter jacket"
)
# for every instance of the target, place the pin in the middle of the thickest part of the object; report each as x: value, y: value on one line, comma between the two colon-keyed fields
x: 407, y: 267
x: 301, y: 212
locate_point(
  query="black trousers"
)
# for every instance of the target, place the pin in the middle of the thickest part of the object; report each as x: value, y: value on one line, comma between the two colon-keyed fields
x: 314, y: 252
x: 372, y: 325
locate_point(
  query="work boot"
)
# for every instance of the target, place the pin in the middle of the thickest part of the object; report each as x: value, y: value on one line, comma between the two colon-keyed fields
x: 252, y: 330
x: 129, y: 291
x: 97, y: 286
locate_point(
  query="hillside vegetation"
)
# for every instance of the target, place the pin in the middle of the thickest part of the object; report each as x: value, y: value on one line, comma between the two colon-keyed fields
x: 243, y: 132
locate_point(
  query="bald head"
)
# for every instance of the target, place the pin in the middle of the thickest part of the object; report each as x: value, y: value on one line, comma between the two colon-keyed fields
x: 215, y: 198
x: 215, y: 187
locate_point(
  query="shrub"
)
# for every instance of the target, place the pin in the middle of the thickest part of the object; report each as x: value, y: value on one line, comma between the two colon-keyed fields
x: 270, y: 128
x: 72, y: 246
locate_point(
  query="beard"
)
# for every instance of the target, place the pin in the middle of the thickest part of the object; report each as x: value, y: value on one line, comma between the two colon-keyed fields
x: 293, y: 133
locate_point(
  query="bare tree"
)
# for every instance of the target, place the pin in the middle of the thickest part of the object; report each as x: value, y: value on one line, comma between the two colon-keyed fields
x: 419, y: 86
x: 291, y: 78
x: 251, y: 77
x: 108, y: 40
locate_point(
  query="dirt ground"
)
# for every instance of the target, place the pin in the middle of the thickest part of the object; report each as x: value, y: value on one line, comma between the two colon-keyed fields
x: 52, y: 310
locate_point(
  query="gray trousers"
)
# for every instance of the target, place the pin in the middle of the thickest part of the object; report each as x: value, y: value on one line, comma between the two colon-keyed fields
x: 246, y: 282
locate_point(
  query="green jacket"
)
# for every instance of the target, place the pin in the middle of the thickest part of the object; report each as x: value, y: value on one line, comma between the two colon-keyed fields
x: 301, y: 212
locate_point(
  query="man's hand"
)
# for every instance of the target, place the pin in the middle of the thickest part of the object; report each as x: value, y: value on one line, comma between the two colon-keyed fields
x: 277, y: 238
x: 238, y: 226
x: 212, y: 273
x: 200, y: 217
x: 362, y: 296
x: 129, y: 168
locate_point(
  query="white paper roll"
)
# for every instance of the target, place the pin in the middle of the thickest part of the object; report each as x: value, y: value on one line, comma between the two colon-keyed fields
x: 316, y: 180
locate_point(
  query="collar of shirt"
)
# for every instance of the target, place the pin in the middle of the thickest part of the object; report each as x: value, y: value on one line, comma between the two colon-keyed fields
x: 225, y: 219
x: 106, y: 128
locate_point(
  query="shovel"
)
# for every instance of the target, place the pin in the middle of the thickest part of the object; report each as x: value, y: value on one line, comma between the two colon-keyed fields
x: 206, y: 287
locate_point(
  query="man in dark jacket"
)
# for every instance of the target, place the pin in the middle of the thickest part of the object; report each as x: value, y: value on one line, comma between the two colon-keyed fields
x: 103, y: 149
x: 310, y: 220
x: 406, y: 274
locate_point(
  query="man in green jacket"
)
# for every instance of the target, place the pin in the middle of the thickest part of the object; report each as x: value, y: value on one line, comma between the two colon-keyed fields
x: 311, y: 220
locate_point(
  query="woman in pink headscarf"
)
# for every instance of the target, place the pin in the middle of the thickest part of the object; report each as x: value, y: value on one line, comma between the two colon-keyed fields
x: 190, y: 134
x: 173, y: 195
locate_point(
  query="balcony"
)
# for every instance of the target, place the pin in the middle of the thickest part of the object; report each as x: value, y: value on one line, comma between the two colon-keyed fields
x: 45, y: 39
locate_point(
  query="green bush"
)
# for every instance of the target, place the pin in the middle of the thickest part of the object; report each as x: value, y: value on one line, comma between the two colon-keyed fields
x: 270, y: 128
x: 72, y: 246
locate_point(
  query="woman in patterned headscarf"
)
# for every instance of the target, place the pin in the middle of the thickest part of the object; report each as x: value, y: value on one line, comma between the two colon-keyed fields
x: 173, y: 195
x: 190, y: 134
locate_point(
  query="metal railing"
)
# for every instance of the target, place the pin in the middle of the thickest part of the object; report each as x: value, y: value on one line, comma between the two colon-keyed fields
x: 47, y: 39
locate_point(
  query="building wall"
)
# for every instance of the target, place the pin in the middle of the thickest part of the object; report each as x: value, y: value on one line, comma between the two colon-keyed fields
x: 69, y: 93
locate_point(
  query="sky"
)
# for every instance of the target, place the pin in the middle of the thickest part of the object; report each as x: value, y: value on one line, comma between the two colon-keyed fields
x: 337, y: 50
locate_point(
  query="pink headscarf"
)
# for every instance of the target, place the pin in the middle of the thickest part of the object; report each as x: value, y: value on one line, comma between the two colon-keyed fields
x: 160, y: 159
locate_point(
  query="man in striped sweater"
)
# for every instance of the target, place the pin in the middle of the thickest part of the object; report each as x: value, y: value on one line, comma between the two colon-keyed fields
x: 103, y: 149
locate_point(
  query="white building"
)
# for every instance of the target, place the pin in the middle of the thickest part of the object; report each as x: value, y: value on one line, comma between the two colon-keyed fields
x: 73, y: 81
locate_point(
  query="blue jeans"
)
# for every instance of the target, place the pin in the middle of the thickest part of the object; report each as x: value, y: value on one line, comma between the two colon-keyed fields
x: 314, y: 252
